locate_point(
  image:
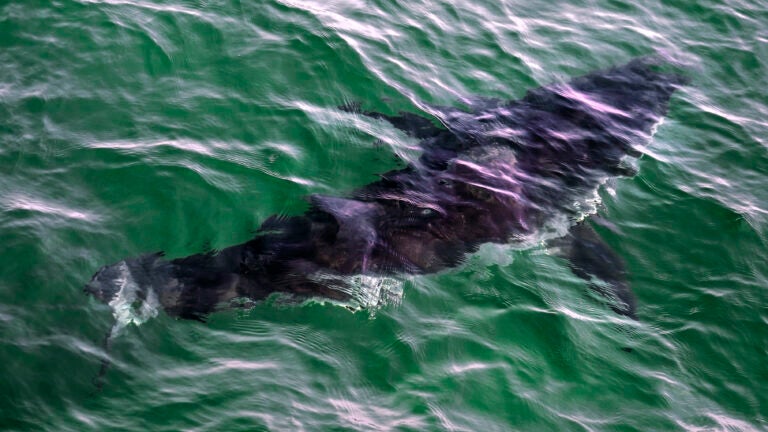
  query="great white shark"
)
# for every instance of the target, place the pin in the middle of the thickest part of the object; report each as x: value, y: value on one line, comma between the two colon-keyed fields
x: 516, y: 172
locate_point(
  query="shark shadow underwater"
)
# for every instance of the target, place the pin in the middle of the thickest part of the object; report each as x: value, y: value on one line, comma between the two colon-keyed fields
x: 516, y: 172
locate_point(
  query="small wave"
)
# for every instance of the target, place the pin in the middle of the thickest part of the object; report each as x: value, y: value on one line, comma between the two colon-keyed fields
x: 32, y: 204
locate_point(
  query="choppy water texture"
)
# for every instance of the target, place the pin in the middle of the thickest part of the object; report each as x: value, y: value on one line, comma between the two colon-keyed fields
x: 132, y: 126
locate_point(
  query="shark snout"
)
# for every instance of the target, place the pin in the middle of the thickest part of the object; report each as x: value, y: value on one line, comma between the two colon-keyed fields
x: 106, y: 283
x: 131, y: 276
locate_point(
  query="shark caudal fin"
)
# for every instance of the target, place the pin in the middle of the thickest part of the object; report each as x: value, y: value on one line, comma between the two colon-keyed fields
x: 598, y: 118
x: 591, y: 259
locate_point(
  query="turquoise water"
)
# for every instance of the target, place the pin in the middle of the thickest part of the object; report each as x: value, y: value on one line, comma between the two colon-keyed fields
x: 133, y: 126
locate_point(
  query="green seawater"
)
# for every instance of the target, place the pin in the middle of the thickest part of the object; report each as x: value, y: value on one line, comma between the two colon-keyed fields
x: 134, y: 126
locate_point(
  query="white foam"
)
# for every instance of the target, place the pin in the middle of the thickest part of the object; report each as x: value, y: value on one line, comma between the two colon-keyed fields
x: 127, y: 306
x: 376, y: 291
x: 365, y: 291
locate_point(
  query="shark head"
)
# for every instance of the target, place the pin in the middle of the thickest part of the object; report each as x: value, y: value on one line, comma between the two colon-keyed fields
x: 108, y: 282
x: 130, y: 287
x: 105, y: 284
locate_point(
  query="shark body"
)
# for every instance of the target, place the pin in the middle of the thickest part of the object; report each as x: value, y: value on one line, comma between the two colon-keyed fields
x: 497, y: 172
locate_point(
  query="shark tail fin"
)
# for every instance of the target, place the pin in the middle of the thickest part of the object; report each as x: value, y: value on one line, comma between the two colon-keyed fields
x: 591, y: 259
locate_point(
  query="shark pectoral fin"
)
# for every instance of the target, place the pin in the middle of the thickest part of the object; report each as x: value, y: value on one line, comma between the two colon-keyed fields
x: 412, y: 124
x: 591, y: 259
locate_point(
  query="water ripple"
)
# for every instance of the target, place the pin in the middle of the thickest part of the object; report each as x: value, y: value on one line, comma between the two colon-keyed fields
x: 136, y: 125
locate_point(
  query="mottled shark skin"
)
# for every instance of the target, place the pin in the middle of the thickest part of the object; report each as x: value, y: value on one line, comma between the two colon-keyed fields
x: 511, y: 172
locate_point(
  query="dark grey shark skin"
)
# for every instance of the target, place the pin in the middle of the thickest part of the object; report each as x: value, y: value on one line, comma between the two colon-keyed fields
x: 499, y: 172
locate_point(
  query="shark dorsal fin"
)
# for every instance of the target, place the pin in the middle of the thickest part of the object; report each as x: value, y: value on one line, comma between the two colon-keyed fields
x: 355, y: 218
x: 357, y: 230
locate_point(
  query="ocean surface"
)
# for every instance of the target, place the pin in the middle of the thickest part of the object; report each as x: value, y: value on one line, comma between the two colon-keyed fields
x: 135, y: 126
